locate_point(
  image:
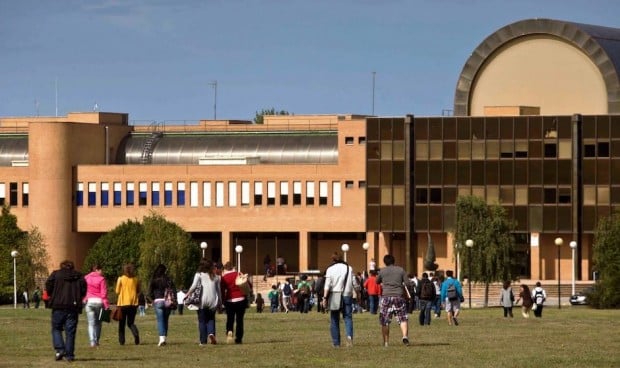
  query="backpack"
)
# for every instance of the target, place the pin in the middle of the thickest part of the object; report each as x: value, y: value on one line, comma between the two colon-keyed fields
x: 427, y: 291
x: 452, y: 293
x: 539, y: 297
x: 170, y: 298
x: 286, y: 290
x: 304, y: 289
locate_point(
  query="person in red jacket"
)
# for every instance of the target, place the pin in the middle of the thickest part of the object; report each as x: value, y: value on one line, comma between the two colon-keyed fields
x: 235, y: 302
x: 374, y: 290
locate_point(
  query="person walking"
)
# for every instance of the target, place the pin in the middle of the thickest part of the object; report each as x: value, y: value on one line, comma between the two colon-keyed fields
x: 393, y: 280
x: 426, y: 297
x: 452, y: 295
x: 374, y: 291
x: 26, y: 300
x: 160, y: 283
x: 526, y: 296
x: 210, y: 300
x: 437, y: 302
x: 304, y: 289
x: 338, y: 298
x: 506, y: 298
x: 142, y: 304
x: 67, y: 289
x: 235, y: 303
x: 127, y: 289
x: 96, y: 299
x: 539, y: 296
x: 180, y: 297
x: 36, y: 297
x: 273, y: 298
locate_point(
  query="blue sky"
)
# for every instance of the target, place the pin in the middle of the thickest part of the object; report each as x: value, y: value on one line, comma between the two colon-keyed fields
x: 155, y: 59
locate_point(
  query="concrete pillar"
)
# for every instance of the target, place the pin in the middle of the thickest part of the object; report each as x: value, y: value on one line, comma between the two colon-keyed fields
x: 535, y: 256
x: 303, y: 250
x: 227, y: 248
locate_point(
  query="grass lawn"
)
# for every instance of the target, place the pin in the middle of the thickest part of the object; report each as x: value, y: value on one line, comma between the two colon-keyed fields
x: 570, y: 337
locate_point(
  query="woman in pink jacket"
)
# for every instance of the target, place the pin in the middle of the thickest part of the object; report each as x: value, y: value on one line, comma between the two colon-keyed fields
x: 96, y: 299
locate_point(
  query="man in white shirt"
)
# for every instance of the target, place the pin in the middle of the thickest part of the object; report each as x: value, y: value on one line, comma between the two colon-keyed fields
x: 338, y: 298
x: 180, y: 298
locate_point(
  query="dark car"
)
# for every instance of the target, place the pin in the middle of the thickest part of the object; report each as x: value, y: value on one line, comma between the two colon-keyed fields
x: 581, y: 297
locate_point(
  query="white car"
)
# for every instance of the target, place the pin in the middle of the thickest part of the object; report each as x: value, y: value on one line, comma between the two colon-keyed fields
x: 581, y: 297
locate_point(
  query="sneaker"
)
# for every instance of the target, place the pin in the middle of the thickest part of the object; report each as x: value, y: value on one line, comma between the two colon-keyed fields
x: 349, y: 341
x: 212, y: 339
x: 406, y: 341
x: 456, y: 321
x: 385, y: 344
x: 229, y: 337
x: 59, y: 356
x: 162, y: 343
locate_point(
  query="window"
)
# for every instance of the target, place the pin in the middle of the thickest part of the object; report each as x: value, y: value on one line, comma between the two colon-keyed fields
x: 79, y: 194
x: 564, y: 195
x: 193, y: 194
x: 284, y: 192
x: 565, y: 149
x: 464, y: 150
x: 602, y: 195
x: 297, y: 193
x: 271, y: 193
x: 219, y: 194
x: 245, y: 193
x: 155, y: 194
x: 258, y: 193
x: 361, y: 184
x: 25, y: 189
x: 349, y: 140
x: 92, y: 194
x: 130, y: 194
x: 206, y: 194
x: 232, y: 194
x: 348, y: 184
x: 550, y: 150
x: 323, y: 193
x: 168, y: 193
x: 549, y: 195
x: 589, y: 150
x: 336, y: 199
x: 142, y: 194
x: 309, y: 193
x: 421, y: 150
x: 181, y: 193
x: 521, y: 196
x: 105, y: 194
x: 361, y: 140
x: 13, y: 194
x: 603, y: 149
x: 506, y: 149
x: 421, y: 195
x: 435, y: 195
x: 589, y: 195
x: 118, y: 193
x: 521, y: 149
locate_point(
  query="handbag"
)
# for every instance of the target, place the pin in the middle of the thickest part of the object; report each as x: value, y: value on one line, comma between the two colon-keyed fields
x: 192, y: 301
x: 104, y: 315
x: 117, y: 314
x: 242, y: 282
x: 170, y: 299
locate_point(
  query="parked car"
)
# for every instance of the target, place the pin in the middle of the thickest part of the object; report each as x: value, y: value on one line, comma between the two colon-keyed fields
x: 581, y: 297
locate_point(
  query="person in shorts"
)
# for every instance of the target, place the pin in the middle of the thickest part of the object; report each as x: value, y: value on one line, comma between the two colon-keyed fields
x: 452, y: 304
x: 392, y: 305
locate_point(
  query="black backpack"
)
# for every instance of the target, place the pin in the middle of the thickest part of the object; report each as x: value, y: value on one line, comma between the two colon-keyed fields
x: 452, y: 293
x: 427, y: 290
x: 286, y: 290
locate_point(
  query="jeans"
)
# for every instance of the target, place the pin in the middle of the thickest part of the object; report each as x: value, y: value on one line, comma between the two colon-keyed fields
x: 66, y: 320
x: 234, y: 314
x: 425, y: 312
x: 206, y: 323
x: 347, y: 315
x: 163, y: 315
x: 437, y: 305
x: 373, y: 302
x: 93, y: 308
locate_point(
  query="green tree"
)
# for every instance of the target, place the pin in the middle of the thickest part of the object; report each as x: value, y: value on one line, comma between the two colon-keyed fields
x: 606, y: 261
x: 167, y: 243
x: 32, y: 269
x: 117, y: 247
x: 11, y: 237
x: 259, y: 118
x: 492, y: 256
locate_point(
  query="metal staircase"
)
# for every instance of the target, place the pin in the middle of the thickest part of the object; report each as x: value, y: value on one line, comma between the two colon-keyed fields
x: 150, y: 143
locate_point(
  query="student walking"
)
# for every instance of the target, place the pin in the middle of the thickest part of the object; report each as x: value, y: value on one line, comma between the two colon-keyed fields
x: 539, y: 296
x: 338, y: 298
x: 127, y: 289
x: 160, y: 283
x: 206, y: 280
x: 393, y: 279
x: 96, y: 299
x: 506, y: 298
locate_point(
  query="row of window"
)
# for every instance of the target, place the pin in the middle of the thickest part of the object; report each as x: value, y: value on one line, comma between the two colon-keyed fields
x: 218, y: 194
x: 519, y: 195
x: 466, y: 150
x: 13, y: 194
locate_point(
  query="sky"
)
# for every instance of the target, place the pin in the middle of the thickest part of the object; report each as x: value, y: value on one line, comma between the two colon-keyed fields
x: 161, y: 60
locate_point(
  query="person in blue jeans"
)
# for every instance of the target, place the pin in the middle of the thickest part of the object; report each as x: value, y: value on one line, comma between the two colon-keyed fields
x: 157, y: 290
x: 338, y: 298
x: 67, y: 288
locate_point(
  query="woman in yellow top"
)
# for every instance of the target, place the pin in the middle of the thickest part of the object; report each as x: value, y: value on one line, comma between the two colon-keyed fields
x: 128, y: 288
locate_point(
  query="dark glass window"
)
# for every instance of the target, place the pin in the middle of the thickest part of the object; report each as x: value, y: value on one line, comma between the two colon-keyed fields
x: 603, y: 149
x: 435, y: 196
x: 551, y: 150
x: 421, y: 195
x: 564, y: 195
x: 349, y: 140
x: 550, y: 195
x: 589, y: 150
x: 129, y: 198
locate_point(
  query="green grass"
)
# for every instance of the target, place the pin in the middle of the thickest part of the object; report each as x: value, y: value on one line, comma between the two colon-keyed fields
x: 570, y: 337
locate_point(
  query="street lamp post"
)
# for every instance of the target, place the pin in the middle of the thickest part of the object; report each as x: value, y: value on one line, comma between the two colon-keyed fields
x: 239, y: 249
x: 203, y: 246
x: 470, y: 244
x: 14, y: 254
x: 558, y: 243
x: 573, y: 247
x: 365, y: 246
x: 345, y: 249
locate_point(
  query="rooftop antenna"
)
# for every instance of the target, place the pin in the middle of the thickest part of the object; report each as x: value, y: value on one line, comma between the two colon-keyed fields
x: 96, y: 107
x: 373, y: 92
x: 214, y: 85
x: 56, y: 90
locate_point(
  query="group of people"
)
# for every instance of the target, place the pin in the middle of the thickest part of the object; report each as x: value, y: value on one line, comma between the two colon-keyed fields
x: 530, y: 300
x: 69, y: 291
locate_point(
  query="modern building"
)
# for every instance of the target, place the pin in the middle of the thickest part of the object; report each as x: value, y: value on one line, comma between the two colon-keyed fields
x: 536, y: 129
